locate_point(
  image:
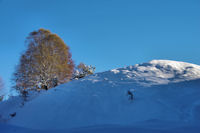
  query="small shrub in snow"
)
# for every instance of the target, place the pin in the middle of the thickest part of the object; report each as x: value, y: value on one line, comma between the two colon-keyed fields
x: 13, y: 114
x: 83, y: 70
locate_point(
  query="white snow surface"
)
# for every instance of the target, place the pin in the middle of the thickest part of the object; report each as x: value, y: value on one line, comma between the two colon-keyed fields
x: 158, y: 72
x: 166, y: 96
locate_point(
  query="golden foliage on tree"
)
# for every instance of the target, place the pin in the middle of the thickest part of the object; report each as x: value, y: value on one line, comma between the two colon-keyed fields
x: 46, y: 62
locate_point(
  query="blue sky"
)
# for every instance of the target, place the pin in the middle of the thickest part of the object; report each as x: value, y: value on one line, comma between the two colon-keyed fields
x: 104, y: 33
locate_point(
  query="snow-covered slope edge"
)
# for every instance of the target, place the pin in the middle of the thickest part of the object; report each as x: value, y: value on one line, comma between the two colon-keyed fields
x: 164, y: 91
x: 158, y: 72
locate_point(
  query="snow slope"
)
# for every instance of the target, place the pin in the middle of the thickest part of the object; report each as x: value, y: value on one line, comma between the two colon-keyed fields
x: 101, y: 129
x: 166, y: 94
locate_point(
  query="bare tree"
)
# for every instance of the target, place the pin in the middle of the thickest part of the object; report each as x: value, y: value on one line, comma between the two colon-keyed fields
x: 1, y: 89
x: 46, y: 62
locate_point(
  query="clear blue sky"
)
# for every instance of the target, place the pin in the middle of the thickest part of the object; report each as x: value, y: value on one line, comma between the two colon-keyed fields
x: 104, y: 33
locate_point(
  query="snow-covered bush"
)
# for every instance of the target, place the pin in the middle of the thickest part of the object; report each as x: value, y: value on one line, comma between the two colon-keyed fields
x: 83, y: 70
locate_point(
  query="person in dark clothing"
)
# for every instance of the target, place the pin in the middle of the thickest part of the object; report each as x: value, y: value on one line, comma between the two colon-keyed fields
x: 130, y: 94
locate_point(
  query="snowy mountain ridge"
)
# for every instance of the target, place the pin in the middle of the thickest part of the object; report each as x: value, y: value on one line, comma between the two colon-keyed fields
x: 164, y: 92
x: 157, y: 72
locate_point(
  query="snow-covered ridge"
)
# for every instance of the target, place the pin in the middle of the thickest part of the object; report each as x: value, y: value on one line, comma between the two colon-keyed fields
x: 157, y: 72
x: 102, y: 99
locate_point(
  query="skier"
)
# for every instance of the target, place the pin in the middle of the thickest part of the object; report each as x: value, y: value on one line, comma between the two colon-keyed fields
x: 130, y: 94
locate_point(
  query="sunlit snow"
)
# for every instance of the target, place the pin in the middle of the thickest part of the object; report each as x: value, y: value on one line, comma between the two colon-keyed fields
x: 166, y: 97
